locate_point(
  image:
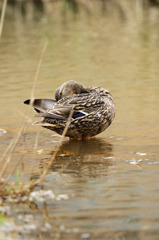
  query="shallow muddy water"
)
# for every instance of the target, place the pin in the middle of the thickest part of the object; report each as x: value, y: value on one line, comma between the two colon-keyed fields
x: 109, y: 183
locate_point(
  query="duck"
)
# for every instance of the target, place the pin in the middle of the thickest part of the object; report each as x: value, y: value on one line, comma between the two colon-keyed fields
x: 89, y: 110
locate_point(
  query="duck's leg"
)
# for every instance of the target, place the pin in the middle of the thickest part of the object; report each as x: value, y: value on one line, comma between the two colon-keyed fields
x: 84, y: 138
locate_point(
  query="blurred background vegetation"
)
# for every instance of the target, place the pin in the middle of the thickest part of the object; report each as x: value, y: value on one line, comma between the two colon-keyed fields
x: 125, y: 8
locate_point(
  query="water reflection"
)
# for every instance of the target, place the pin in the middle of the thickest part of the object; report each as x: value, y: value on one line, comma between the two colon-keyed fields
x: 90, y: 158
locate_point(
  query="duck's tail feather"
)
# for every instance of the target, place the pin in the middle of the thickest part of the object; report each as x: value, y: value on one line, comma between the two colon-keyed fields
x: 41, y: 105
x: 44, y: 124
x: 50, y: 115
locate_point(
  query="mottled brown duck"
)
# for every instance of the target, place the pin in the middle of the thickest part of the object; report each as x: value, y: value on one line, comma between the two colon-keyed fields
x: 90, y: 110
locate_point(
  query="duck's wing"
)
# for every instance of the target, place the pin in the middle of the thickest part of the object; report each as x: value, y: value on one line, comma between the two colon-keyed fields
x: 57, y: 112
x: 80, y: 105
x: 41, y: 105
x: 86, y: 102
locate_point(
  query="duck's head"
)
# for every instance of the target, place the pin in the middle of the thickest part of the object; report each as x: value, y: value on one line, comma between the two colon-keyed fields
x: 68, y: 89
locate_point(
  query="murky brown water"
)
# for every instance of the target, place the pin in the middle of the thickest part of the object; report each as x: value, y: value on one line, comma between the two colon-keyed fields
x: 112, y: 180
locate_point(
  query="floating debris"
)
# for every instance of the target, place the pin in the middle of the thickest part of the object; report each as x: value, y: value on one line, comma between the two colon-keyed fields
x: 17, y: 199
x: 135, y: 162
x: 41, y: 151
x: 47, y: 226
x: 119, y: 139
x: 27, y: 228
x: 108, y: 157
x: 23, y: 229
x: 2, y: 131
x: 156, y: 162
x: 26, y: 218
x: 5, y: 210
x: 111, y: 137
x: 141, y: 154
x: 62, y: 197
x: 85, y: 235
x: 41, y: 196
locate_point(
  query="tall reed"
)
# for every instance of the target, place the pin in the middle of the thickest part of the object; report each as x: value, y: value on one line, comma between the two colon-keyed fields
x: 2, y: 16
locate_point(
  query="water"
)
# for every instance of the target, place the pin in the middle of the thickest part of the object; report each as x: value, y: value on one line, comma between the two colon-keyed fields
x: 111, y: 181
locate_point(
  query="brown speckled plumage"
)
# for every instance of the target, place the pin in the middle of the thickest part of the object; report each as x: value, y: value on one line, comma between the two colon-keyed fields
x: 92, y: 110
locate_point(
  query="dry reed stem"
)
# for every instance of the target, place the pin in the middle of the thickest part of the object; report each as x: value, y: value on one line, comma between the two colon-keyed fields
x: 2, y: 16
x: 33, y: 91
x: 34, y: 150
x: 37, y: 74
x: 22, y: 175
x: 7, y: 150
x: 21, y: 157
x: 7, y: 179
x: 24, y: 116
x: 30, y: 186
x: 14, y: 143
x: 36, y: 140
x: 41, y: 179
